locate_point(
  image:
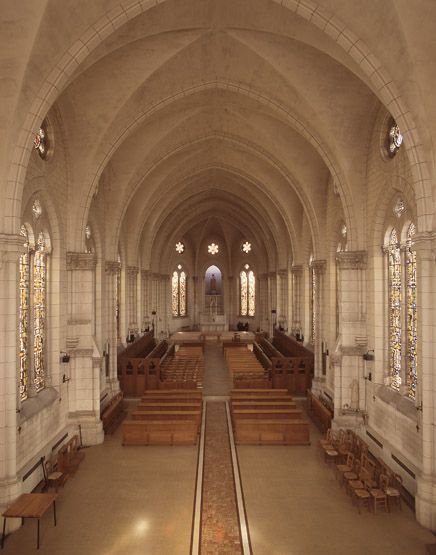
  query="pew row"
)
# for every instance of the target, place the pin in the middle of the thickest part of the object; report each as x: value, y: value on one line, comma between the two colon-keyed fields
x: 159, y: 432
x: 271, y: 432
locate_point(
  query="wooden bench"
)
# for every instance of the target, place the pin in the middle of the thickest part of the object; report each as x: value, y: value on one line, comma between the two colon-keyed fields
x: 266, y: 414
x: 156, y: 405
x: 159, y: 432
x: 256, y: 404
x: 319, y: 413
x: 173, y: 415
x: 259, y: 393
x: 113, y: 414
x: 272, y: 432
x: 168, y: 392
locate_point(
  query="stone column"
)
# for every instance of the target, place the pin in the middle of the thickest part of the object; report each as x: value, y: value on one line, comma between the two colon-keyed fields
x: 84, y: 384
x: 348, y: 359
x: 425, y: 247
x: 232, y: 297
x: 318, y: 268
x: 132, y: 275
x: 297, y: 300
x: 111, y: 273
x: 282, y: 309
x: 145, y: 302
x: 195, y: 317
x: 11, y: 247
x: 263, y: 302
x: 272, y: 301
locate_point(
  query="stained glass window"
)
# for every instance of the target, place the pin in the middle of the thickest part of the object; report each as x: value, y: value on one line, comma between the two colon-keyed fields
x: 313, y: 303
x: 394, y: 271
x: 395, y: 139
x: 244, y: 293
x: 118, y: 298
x: 39, y: 312
x: 246, y: 247
x: 247, y: 291
x: 213, y: 248
x: 411, y: 376
x: 40, y: 142
x: 178, y: 292
x: 24, y: 315
x: 180, y: 247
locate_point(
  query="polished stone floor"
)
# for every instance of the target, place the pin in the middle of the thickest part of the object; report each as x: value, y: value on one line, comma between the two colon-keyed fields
x: 139, y: 501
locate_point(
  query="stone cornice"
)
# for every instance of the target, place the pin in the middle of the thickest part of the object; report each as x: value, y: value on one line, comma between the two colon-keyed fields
x: 112, y: 266
x: 352, y: 260
x: 81, y: 261
x: 297, y: 270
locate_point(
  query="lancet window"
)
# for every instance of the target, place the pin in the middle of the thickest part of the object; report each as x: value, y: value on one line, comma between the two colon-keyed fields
x: 247, y: 292
x: 178, y: 292
x: 32, y: 311
x: 402, y: 305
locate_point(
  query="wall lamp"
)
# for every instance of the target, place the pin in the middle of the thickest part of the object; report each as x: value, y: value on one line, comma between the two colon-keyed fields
x: 65, y: 357
x: 369, y: 355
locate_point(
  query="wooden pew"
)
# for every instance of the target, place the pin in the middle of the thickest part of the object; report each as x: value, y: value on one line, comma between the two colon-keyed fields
x: 262, y: 404
x: 272, y: 432
x: 319, y: 413
x: 113, y: 413
x: 173, y: 415
x: 159, y: 432
x: 157, y: 405
x: 266, y: 414
x: 259, y: 393
x: 172, y: 393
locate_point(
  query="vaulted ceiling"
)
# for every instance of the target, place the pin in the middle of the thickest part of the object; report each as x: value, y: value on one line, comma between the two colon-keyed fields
x: 200, y: 118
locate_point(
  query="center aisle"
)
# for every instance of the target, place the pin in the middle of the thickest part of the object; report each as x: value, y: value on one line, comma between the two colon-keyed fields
x: 221, y: 513
x: 216, y: 380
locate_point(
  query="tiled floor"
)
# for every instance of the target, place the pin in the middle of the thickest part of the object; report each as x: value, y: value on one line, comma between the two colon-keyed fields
x: 139, y: 501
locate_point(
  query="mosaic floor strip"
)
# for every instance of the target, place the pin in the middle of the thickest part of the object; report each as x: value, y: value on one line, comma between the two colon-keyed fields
x: 220, y: 532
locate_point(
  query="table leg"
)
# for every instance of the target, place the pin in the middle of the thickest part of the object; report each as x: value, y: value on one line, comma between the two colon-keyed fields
x: 37, y: 536
x: 4, y: 531
x: 54, y: 512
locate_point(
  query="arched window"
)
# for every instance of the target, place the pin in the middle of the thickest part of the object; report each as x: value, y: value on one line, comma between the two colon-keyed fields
x: 411, y: 324
x: 402, y: 305
x: 312, y: 289
x: 39, y: 311
x: 178, y: 292
x: 118, y: 298
x: 24, y: 288
x: 247, y: 291
x: 394, y: 296
x: 32, y: 311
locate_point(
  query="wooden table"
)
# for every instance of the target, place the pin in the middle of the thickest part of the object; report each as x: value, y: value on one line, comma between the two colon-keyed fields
x: 30, y: 505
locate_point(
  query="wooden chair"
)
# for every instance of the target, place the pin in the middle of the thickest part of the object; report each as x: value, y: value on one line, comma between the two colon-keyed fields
x: 53, y: 477
x: 352, y: 475
x: 361, y: 496
x: 393, y: 490
x: 378, y: 494
x: 341, y: 469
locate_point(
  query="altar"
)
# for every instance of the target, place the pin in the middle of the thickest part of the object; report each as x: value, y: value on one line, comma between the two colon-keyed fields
x: 213, y: 322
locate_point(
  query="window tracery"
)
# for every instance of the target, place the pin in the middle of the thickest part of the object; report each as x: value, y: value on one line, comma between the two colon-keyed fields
x: 394, y: 271
x: 32, y: 327
x: 247, y: 291
x: 411, y: 307
x: 179, y: 292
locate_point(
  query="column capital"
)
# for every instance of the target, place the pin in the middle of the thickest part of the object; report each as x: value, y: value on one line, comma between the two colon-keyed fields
x: 282, y: 273
x: 319, y: 266
x: 11, y: 247
x: 112, y: 266
x: 81, y: 261
x: 352, y: 260
x: 132, y: 270
x: 297, y: 270
x: 145, y: 274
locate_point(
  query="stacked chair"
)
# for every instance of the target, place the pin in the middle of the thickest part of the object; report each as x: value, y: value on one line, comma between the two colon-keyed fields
x: 367, y: 480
